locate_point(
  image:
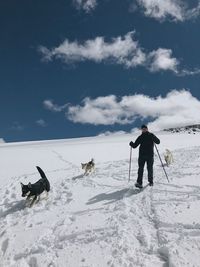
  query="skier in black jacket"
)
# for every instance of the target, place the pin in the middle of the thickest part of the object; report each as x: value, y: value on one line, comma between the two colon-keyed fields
x: 146, y: 154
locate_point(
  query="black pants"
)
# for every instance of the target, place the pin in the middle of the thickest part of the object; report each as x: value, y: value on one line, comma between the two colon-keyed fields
x: 141, y: 163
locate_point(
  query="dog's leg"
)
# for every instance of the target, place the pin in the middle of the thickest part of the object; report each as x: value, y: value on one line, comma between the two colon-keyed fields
x: 33, y: 201
x: 93, y: 171
x: 47, y: 195
x: 28, y: 198
x: 166, y: 160
x: 38, y: 199
x: 27, y: 201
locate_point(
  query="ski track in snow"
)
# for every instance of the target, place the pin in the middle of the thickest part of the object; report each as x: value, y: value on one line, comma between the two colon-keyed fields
x: 101, y: 220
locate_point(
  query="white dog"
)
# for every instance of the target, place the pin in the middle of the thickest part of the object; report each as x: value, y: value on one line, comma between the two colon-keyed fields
x: 88, y: 167
x: 168, y: 157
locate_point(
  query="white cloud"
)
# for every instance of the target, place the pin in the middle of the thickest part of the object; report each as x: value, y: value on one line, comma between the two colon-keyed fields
x: 41, y: 123
x: 48, y: 104
x: 2, y: 140
x: 186, y: 72
x: 86, y: 5
x: 108, y: 133
x: 102, y: 110
x: 193, y: 12
x: 161, y: 59
x: 160, y: 9
x: 124, y: 51
x: 121, y: 50
x: 177, y: 10
x: 177, y: 108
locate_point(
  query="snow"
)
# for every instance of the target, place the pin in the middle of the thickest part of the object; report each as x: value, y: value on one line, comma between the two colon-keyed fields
x: 100, y: 219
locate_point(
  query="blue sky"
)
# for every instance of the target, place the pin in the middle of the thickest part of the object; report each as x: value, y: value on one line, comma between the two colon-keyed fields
x: 72, y: 68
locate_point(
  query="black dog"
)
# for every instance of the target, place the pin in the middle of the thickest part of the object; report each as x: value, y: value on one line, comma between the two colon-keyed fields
x: 34, y: 190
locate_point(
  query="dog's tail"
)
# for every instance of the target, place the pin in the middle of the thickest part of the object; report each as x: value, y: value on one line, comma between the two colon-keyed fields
x: 42, y: 174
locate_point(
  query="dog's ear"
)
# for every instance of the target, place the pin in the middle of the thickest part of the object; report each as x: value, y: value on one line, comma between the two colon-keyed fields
x: 29, y: 185
x: 22, y: 184
x: 83, y: 165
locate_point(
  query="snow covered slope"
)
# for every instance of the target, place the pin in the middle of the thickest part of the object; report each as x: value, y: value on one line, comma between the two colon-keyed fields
x: 101, y: 219
x: 190, y: 129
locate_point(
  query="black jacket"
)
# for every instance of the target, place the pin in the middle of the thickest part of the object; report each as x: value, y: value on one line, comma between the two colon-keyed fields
x: 146, y: 141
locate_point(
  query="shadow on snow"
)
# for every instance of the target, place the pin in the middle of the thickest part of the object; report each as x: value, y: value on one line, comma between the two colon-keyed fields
x: 115, y: 196
x: 12, y: 208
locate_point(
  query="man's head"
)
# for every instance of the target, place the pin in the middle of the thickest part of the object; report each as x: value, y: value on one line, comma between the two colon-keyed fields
x: 144, y: 128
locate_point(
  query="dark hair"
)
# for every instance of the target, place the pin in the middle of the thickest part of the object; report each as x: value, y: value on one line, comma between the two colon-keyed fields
x: 144, y: 126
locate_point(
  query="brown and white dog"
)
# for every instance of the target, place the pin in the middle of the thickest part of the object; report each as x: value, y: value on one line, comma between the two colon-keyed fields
x: 88, y: 167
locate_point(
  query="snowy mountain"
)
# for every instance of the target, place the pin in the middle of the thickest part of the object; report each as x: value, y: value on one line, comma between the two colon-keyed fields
x: 190, y: 129
x: 100, y: 219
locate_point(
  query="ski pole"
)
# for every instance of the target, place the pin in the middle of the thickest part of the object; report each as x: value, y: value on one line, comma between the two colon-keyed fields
x: 129, y: 177
x: 161, y: 162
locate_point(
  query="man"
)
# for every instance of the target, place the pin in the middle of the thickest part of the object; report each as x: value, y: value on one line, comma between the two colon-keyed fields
x: 146, y: 154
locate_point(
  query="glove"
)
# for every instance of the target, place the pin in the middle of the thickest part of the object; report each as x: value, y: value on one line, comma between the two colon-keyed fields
x: 131, y: 144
